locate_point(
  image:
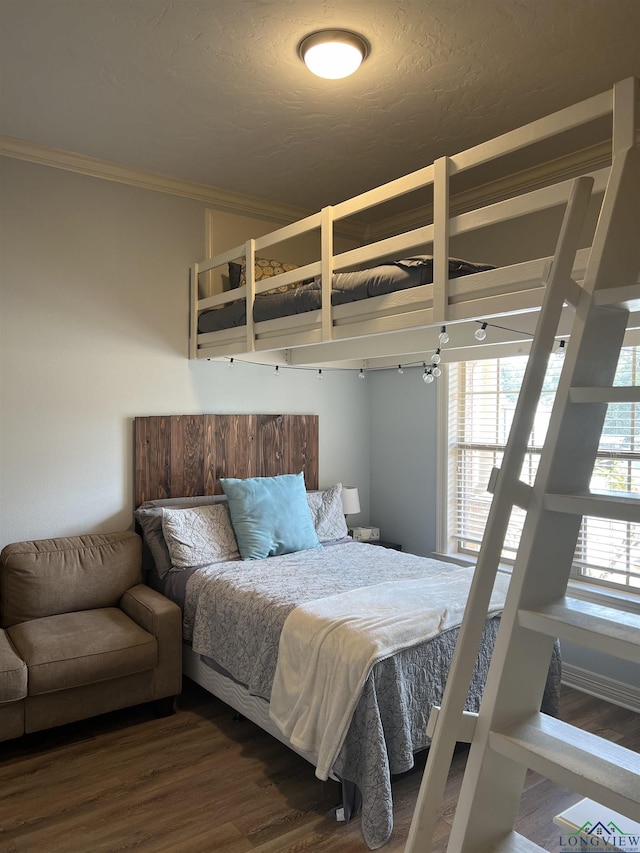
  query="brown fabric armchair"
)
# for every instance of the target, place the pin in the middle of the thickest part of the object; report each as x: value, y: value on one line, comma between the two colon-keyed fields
x: 81, y: 635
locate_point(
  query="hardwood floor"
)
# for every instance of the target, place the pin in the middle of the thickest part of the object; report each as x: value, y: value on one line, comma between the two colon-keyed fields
x: 198, y: 782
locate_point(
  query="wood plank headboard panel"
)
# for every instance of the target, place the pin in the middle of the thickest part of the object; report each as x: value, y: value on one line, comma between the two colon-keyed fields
x: 185, y: 455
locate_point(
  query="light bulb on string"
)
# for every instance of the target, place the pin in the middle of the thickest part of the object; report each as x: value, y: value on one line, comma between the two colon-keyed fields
x: 561, y: 349
x: 481, y: 333
x: 276, y: 372
x: 427, y: 374
x: 230, y: 362
x: 436, y: 358
x: 436, y: 371
x: 361, y: 374
x: 400, y: 370
x: 443, y: 337
x: 320, y: 374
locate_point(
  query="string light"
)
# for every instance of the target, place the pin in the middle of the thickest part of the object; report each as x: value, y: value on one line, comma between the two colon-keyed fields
x: 430, y: 372
x: 481, y: 333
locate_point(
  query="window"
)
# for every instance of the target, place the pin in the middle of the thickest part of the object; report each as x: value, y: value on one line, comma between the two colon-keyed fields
x: 482, y: 401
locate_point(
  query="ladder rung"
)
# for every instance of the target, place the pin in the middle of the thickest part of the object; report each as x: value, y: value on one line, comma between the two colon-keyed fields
x: 466, y: 726
x: 605, y: 629
x: 579, y: 760
x: 606, y: 394
x: 627, y: 296
x: 515, y: 843
x: 619, y: 506
x: 521, y: 492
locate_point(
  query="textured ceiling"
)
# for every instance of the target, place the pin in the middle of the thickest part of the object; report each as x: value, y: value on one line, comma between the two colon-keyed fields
x: 213, y: 91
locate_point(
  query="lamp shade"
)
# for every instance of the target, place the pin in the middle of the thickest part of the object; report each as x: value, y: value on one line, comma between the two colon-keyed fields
x: 350, y: 500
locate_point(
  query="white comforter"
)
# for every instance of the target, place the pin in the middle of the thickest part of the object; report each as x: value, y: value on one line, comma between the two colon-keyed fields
x: 328, y: 647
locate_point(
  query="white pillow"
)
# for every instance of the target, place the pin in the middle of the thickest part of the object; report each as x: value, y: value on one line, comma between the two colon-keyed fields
x: 327, y: 513
x: 199, y: 536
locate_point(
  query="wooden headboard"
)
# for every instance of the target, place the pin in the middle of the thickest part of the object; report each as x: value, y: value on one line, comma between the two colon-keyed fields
x: 185, y: 455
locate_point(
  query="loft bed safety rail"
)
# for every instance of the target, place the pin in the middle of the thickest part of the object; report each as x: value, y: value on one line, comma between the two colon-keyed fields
x: 331, y: 332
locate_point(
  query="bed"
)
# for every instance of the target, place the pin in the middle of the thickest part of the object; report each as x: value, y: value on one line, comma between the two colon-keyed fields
x: 347, y: 287
x: 372, y: 303
x: 237, y: 614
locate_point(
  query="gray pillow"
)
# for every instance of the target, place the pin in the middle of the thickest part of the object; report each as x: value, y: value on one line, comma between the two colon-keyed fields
x: 199, y: 536
x: 327, y: 513
x: 149, y: 517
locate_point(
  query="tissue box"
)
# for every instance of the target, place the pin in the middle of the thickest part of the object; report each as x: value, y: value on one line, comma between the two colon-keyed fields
x: 366, y: 534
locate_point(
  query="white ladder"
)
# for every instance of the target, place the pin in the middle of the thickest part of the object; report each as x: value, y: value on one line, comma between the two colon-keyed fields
x: 510, y: 734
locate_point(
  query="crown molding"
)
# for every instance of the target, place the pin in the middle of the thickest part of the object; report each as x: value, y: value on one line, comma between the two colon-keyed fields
x: 225, y: 200
x: 578, y: 162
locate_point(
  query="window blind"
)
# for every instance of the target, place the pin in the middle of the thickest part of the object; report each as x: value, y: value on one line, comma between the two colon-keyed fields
x: 482, y: 401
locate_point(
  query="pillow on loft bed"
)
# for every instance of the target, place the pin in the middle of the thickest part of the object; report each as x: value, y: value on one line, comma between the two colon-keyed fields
x: 457, y: 266
x: 199, y: 536
x: 270, y: 515
x: 264, y: 268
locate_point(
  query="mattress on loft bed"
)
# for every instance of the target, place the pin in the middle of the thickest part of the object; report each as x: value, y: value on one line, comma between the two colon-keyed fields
x: 346, y: 287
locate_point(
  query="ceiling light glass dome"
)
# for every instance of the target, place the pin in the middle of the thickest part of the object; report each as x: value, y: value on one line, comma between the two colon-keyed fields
x: 333, y: 54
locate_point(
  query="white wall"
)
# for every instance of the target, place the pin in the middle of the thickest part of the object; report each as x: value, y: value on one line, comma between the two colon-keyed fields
x: 93, y: 331
x: 403, y: 458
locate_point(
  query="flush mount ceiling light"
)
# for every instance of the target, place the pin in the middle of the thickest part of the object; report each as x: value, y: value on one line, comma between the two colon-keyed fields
x: 333, y: 54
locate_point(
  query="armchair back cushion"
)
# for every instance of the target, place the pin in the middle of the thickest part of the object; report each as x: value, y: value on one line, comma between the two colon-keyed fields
x: 52, y: 576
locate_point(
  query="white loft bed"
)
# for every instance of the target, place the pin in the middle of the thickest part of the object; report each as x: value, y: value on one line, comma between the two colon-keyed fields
x: 386, y: 329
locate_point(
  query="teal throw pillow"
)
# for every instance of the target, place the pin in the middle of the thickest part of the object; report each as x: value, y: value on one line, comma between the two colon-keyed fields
x: 270, y: 515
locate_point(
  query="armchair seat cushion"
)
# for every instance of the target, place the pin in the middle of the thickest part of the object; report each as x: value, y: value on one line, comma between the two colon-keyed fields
x: 13, y: 672
x: 84, y: 647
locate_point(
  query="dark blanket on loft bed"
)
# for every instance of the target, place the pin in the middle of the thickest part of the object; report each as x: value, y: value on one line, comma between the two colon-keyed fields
x: 346, y: 287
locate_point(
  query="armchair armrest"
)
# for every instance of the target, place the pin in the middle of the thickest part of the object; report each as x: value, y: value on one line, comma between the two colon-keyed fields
x: 162, y: 618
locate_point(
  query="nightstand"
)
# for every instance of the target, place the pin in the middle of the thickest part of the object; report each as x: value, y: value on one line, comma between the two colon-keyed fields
x: 384, y: 544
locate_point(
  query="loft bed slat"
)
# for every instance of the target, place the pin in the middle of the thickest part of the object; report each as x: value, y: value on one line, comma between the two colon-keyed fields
x: 535, y: 201
x: 398, y: 244
x: 320, y: 332
x: 309, y: 223
x: 386, y: 192
x: 224, y: 258
x: 537, y: 131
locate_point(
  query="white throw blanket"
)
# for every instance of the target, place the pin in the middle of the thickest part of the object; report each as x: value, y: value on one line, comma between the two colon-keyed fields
x: 328, y: 647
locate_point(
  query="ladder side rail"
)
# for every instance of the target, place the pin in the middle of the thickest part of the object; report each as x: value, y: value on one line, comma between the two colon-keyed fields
x: 521, y: 658
x: 614, y: 260
x: 457, y: 687
x: 626, y: 94
x: 548, y: 541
